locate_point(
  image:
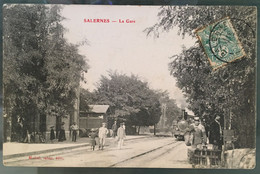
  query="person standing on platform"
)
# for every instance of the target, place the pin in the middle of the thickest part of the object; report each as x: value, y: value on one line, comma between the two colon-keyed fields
x: 62, y: 136
x: 121, y: 136
x: 114, y: 129
x: 74, y: 129
x: 199, y: 134
x: 198, y: 138
x: 215, y: 133
x: 102, y: 134
x: 52, y: 135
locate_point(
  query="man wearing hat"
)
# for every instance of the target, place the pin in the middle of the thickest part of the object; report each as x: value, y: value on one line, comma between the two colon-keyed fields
x: 215, y: 133
x: 92, y: 135
x: 198, y: 138
x: 114, y: 129
x: 121, y: 135
x: 102, y: 134
x: 199, y: 134
x: 74, y: 129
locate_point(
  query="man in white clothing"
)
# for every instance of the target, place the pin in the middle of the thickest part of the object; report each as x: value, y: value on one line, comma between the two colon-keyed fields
x: 121, y: 135
x: 102, y: 134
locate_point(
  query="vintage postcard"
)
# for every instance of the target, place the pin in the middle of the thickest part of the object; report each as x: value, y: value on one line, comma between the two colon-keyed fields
x: 129, y: 86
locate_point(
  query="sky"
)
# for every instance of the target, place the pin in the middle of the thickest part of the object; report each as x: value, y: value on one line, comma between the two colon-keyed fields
x: 124, y: 47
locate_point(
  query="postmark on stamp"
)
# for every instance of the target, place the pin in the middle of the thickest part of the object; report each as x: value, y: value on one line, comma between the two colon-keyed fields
x: 220, y: 43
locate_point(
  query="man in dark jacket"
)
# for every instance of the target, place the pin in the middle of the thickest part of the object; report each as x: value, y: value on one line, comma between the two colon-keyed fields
x: 114, y: 129
x: 215, y: 133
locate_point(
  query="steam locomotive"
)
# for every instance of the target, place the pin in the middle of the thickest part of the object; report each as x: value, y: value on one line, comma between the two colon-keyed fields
x: 181, y: 126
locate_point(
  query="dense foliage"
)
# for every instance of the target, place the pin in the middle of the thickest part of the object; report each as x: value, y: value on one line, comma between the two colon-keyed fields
x: 41, y: 69
x: 137, y: 104
x: 229, y: 91
x: 128, y: 97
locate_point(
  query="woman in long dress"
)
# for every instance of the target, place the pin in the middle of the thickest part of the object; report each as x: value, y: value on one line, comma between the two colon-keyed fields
x: 62, y: 136
x: 52, y: 136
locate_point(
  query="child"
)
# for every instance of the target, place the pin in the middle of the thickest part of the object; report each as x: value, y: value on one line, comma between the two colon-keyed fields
x: 92, y: 136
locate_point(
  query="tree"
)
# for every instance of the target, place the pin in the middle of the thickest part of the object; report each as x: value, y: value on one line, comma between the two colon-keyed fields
x: 130, y: 98
x: 41, y: 69
x: 228, y: 92
x: 87, y: 98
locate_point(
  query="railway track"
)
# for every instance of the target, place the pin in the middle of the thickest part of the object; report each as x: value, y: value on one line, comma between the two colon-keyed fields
x: 66, y: 151
x: 140, y: 159
x: 134, y: 159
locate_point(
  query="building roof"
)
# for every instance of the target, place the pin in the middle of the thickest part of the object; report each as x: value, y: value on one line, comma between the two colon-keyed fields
x: 101, y: 109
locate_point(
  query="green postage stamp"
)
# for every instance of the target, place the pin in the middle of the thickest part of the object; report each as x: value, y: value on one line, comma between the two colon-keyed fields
x: 220, y: 43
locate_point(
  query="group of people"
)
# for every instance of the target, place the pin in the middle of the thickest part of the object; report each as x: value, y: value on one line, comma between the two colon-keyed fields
x: 35, y: 137
x: 200, y: 134
x: 118, y: 133
x: 61, y: 136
